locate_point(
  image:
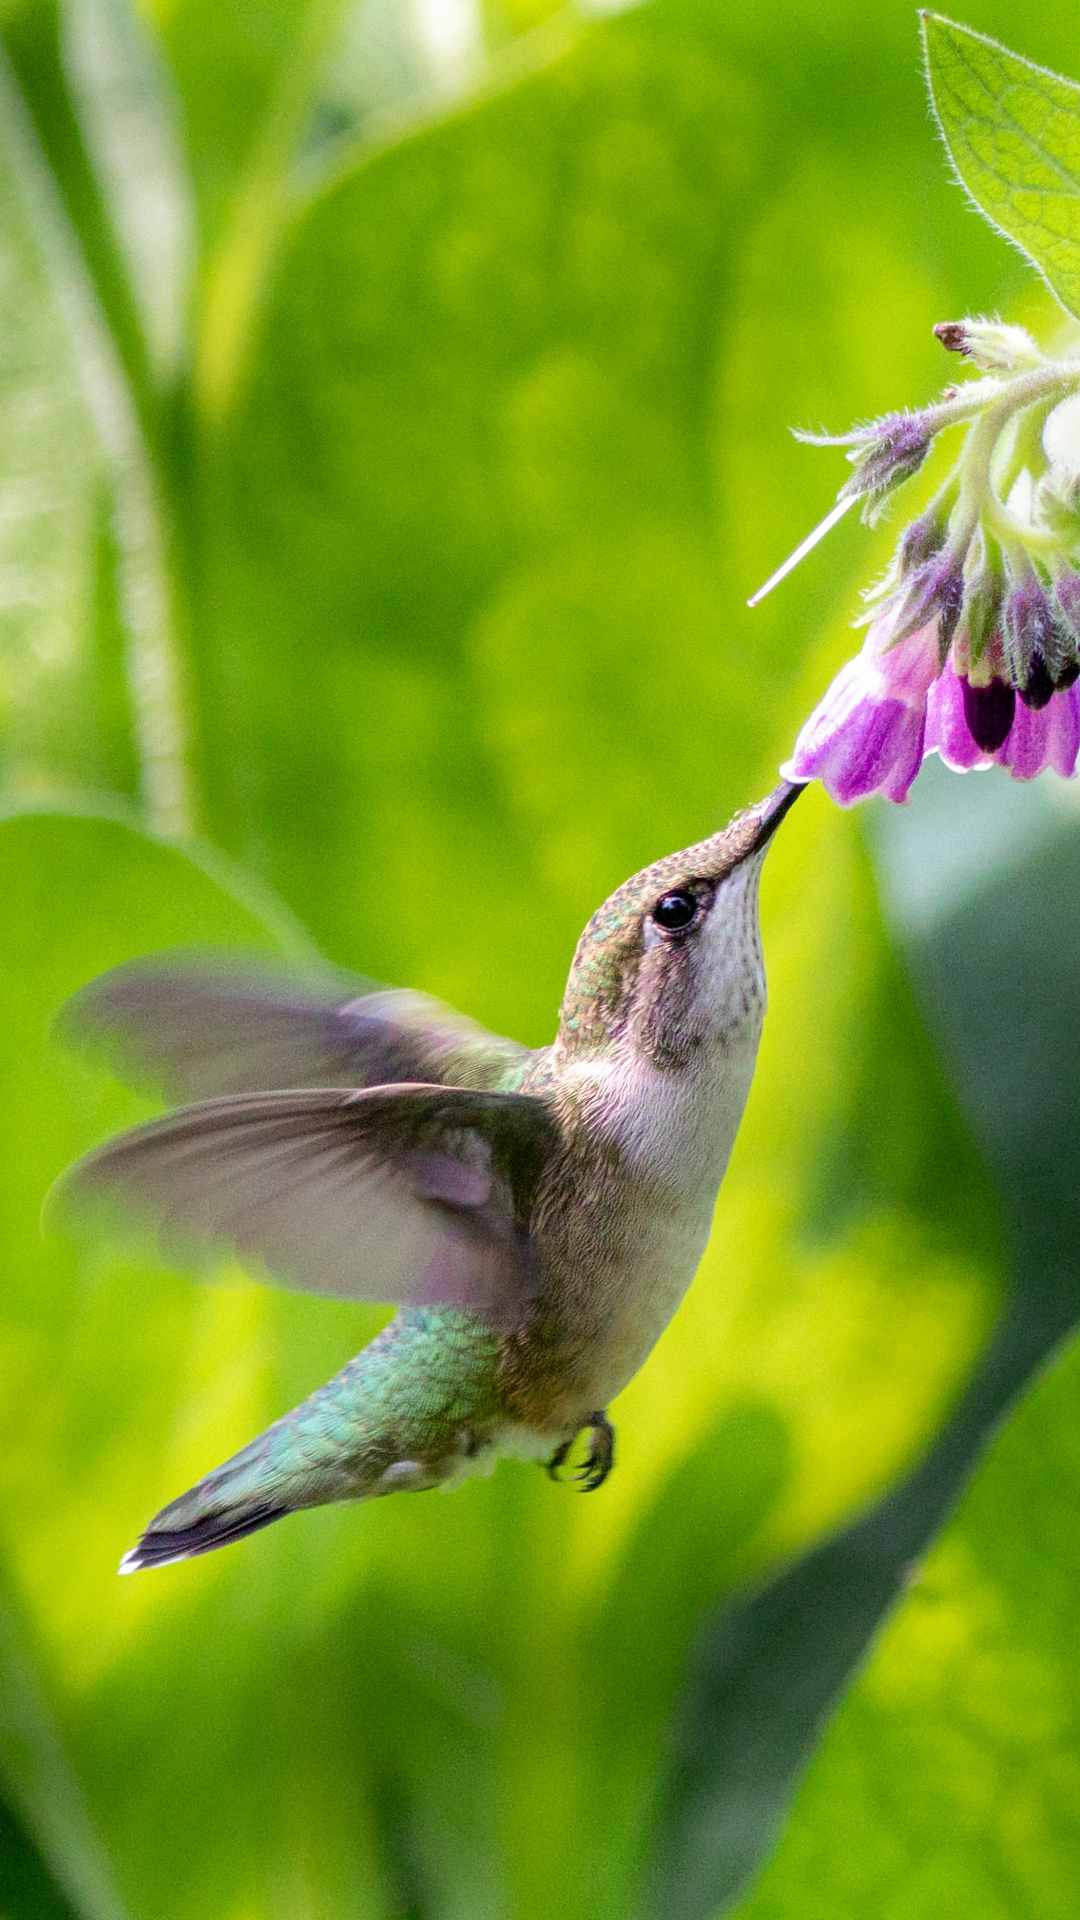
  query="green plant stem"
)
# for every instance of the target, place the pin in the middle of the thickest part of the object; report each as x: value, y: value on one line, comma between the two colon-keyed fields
x: 1052, y: 381
x: 33, y: 44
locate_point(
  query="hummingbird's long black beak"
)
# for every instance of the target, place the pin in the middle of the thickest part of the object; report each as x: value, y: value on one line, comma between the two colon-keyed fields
x: 768, y: 815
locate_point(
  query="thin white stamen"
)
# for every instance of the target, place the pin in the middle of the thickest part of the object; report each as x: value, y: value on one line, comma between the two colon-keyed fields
x: 804, y: 547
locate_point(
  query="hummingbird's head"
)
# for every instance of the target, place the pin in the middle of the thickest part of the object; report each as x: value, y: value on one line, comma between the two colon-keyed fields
x: 671, y: 963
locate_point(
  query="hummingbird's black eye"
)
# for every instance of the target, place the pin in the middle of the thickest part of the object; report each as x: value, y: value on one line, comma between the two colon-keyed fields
x: 676, y: 910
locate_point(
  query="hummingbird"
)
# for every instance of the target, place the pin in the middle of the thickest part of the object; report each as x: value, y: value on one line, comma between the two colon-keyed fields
x: 535, y: 1215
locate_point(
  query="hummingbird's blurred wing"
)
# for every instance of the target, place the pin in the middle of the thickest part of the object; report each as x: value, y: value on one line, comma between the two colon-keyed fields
x: 201, y: 1028
x: 416, y: 1195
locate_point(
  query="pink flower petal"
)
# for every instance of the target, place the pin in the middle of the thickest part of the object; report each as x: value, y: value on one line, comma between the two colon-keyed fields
x: 906, y: 670
x: 909, y: 748
x: 1026, y: 749
x: 866, y: 734
x: 855, y: 745
x: 947, y: 731
x: 1063, y: 742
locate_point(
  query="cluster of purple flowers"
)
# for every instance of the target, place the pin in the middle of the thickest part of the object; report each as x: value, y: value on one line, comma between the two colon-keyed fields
x: 980, y: 675
x: 973, y: 650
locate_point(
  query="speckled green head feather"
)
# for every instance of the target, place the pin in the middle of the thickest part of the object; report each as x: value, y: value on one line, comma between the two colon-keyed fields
x: 606, y: 983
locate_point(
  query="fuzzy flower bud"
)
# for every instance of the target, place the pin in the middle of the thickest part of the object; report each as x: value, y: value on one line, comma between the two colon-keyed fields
x: 980, y: 619
x: 935, y: 590
x: 1033, y: 650
x: 1067, y: 602
x: 919, y: 541
x: 884, y: 454
x: 989, y: 345
x: 1057, y: 503
x: 884, y: 463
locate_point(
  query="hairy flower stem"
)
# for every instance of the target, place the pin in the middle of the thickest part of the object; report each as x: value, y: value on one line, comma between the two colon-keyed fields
x: 1047, y: 384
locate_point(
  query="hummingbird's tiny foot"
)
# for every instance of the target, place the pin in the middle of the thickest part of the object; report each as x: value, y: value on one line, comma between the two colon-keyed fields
x: 558, y: 1459
x: 600, y: 1458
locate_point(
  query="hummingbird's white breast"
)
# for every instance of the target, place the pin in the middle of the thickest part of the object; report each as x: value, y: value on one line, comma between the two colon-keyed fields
x: 634, y: 1243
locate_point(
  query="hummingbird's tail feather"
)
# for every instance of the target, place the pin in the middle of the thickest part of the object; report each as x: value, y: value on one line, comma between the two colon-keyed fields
x: 264, y: 1481
x: 160, y: 1546
x: 405, y: 1414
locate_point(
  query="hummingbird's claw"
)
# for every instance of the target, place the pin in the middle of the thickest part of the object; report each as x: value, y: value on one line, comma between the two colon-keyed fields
x: 600, y: 1458
x: 558, y: 1459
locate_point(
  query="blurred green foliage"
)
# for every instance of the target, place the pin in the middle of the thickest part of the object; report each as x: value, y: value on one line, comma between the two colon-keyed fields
x: 390, y: 432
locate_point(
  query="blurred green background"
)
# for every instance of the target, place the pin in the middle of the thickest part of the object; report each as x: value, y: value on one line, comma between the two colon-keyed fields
x: 393, y: 420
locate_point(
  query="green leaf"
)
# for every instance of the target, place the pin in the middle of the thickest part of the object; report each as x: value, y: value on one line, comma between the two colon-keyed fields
x: 26, y: 1886
x: 52, y: 1860
x: 1013, y: 132
x: 949, y: 1779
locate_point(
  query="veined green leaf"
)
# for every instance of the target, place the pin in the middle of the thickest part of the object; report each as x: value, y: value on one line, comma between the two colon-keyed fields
x: 1013, y: 131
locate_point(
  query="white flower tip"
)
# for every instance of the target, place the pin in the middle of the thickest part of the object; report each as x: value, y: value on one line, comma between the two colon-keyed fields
x: 791, y: 770
x: 990, y: 345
